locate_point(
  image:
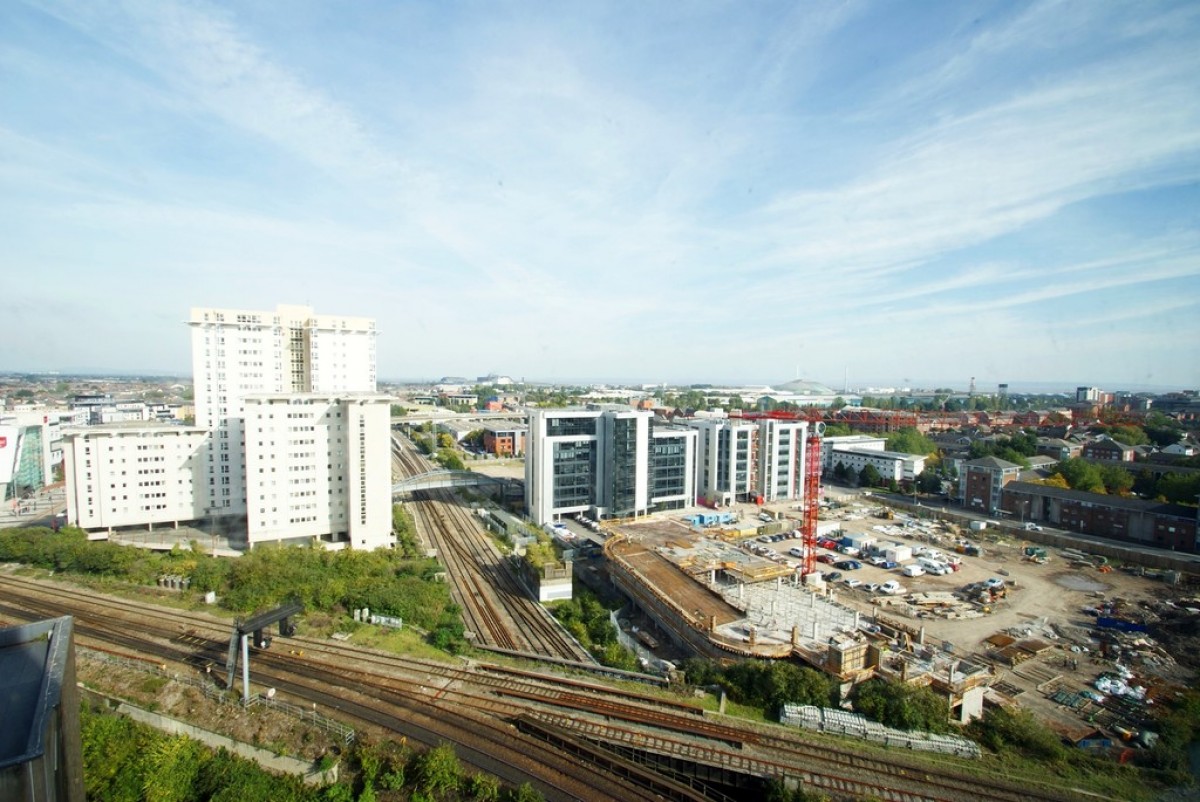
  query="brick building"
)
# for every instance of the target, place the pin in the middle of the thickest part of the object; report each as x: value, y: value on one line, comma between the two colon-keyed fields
x: 1109, y: 450
x: 982, y: 481
x: 1147, y: 523
x: 504, y: 439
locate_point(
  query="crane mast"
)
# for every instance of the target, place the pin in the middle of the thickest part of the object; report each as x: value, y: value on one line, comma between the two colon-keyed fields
x: 811, y: 483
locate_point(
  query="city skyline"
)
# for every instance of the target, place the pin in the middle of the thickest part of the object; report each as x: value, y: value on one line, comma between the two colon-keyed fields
x: 715, y: 193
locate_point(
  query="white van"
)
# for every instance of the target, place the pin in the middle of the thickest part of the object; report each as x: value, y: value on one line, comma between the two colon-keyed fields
x: 933, y: 566
x: 912, y: 570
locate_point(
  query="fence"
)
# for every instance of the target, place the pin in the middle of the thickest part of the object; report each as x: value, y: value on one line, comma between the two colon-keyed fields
x: 335, y: 728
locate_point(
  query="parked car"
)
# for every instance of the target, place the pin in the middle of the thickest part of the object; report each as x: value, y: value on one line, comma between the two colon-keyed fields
x: 892, y: 588
x: 825, y: 558
x: 796, y: 551
x: 1032, y: 527
x: 848, y: 565
x: 833, y: 576
x: 849, y: 551
x: 871, y: 587
x: 993, y: 583
x: 851, y: 582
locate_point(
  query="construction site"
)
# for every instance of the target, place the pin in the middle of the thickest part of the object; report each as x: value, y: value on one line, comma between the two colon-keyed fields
x: 1008, y: 622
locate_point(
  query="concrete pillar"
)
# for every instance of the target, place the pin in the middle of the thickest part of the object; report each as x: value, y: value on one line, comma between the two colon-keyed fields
x: 856, y: 619
x: 921, y: 636
x: 815, y: 630
x: 753, y: 635
x: 795, y: 635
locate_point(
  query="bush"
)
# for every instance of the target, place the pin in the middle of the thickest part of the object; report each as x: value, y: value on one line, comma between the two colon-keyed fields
x: 901, y: 706
x: 1003, y: 728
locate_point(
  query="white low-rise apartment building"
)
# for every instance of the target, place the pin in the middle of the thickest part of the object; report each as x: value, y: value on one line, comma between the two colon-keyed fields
x: 892, y: 465
x: 750, y: 461
x: 136, y: 474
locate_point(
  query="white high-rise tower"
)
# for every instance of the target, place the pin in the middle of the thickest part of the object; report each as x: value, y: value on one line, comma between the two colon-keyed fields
x: 239, y: 353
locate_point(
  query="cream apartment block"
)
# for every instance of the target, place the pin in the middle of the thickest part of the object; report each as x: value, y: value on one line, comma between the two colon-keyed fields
x: 252, y: 370
x: 312, y: 466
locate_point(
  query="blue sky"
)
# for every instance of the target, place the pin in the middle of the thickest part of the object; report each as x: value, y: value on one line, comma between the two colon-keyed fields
x: 912, y: 192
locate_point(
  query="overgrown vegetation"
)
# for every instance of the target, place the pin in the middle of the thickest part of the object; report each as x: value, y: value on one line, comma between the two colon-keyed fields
x: 398, y: 582
x: 128, y: 762
x: 1091, y: 477
x: 902, y: 706
x: 587, y: 619
x: 764, y: 684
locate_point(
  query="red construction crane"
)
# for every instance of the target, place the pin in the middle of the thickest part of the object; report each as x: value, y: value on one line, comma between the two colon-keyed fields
x: 811, y: 484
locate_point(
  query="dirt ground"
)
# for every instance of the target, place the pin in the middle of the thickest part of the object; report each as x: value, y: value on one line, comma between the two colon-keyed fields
x: 1046, y: 604
x: 260, y: 726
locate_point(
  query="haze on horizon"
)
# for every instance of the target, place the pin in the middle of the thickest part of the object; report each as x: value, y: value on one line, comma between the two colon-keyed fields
x: 1004, y: 190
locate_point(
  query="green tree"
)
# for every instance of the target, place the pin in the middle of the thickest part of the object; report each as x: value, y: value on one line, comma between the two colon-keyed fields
x: 902, y: 706
x: 1003, y: 728
x: 525, y: 793
x: 1129, y: 435
x: 1180, y: 488
x: 908, y: 440
x: 172, y: 767
x: 1117, y: 480
x: 840, y: 473
x: 450, y: 460
x: 438, y: 770
x: 869, y: 476
x: 1081, y: 475
x: 837, y: 429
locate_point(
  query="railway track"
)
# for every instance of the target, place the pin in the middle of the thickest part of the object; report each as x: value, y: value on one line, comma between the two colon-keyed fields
x: 497, y: 609
x: 455, y: 703
x: 483, y: 741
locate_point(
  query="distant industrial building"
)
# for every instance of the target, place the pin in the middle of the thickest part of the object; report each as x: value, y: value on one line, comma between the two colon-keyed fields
x: 41, y: 756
